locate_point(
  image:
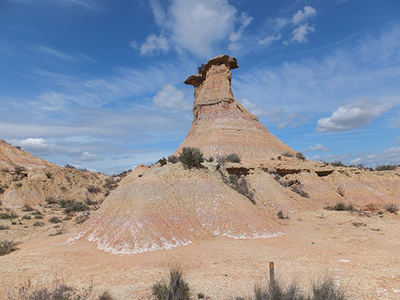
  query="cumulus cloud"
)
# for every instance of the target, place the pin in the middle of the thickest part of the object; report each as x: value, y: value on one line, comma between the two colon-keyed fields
x: 196, y: 26
x: 299, y: 34
x: 169, y: 97
x: 317, y: 147
x: 152, y: 45
x: 269, y: 39
x: 353, y: 115
x: 302, y: 15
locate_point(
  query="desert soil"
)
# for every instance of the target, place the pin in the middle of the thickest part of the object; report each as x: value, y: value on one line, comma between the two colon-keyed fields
x: 361, y: 252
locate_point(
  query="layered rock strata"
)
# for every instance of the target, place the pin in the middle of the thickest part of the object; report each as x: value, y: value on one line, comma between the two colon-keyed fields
x: 221, y: 125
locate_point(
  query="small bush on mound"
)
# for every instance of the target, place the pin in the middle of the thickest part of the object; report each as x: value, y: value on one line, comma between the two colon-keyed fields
x: 26, y: 217
x: 51, y: 200
x: 93, y: 189
x: 191, y: 157
x: 162, y: 161
x: 288, y: 154
x: 27, y: 208
x: 54, y: 220
x: 386, y: 168
x: 175, y: 289
x: 210, y: 159
x: 281, y: 215
x: 7, y: 247
x: 340, y: 206
x: 300, y: 155
x: 337, y: 163
x: 392, y: 208
x: 233, y: 157
x: 297, y: 188
x: 1, y: 190
x: 173, y: 159
x: 241, y: 186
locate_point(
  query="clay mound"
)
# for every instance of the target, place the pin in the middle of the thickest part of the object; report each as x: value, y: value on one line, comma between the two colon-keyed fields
x: 165, y: 207
x: 221, y: 125
x: 11, y: 157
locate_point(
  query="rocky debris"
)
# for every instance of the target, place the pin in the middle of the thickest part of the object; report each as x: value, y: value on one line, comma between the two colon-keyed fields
x: 221, y: 125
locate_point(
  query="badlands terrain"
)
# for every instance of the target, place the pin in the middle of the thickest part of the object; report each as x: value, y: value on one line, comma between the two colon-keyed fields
x: 221, y: 222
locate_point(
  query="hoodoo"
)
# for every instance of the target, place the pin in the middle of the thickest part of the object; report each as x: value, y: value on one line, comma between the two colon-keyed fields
x: 221, y: 125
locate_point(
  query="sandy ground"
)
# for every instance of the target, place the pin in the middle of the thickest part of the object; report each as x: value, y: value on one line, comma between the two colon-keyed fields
x: 364, y: 259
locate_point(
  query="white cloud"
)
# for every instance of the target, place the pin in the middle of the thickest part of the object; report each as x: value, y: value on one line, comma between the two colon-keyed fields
x: 385, y: 157
x: 245, y: 21
x: 269, y: 39
x: 276, y: 115
x: 169, y: 97
x: 353, y: 115
x: 302, y: 15
x: 317, y: 147
x: 53, y: 52
x: 158, y: 12
x: 86, y: 156
x: 300, y: 33
x: 198, y: 25
x: 37, y: 145
x: 153, y: 44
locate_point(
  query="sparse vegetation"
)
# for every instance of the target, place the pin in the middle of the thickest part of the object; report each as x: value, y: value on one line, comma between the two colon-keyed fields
x: 162, y: 161
x: 69, y: 166
x: 2, y: 190
x: 282, y: 216
x: 173, y: 289
x: 93, y: 189
x: 241, y: 186
x: 54, y: 220
x: 341, y: 206
x: 26, y: 217
x: 60, y: 291
x: 48, y: 174
x: 27, y: 208
x: 392, y: 208
x: 287, y: 154
x: 7, y: 247
x: 51, y: 200
x: 233, y: 157
x: 105, y: 296
x: 191, y: 157
x: 277, y: 290
x: 337, y: 163
x: 173, y: 159
x: 19, y: 170
x: 386, y: 168
x: 300, y: 156
x: 82, y: 218
x: 4, y: 227
x: 8, y: 216
x: 72, y: 206
x: 210, y: 159
x: 298, y: 188
x: 38, y: 224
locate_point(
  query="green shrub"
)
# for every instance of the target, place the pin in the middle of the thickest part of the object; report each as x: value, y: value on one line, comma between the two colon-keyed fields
x: 297, y: 188
x: 191, y: 157
x: 7, y: 247
x: 162, y: 161
x: 26, y: 217
x: 173, y: 159
x: 51, y: 200
x: 174, y: 289
x: 27, y: 208
x: 337, y: 163
x: 287, y: 154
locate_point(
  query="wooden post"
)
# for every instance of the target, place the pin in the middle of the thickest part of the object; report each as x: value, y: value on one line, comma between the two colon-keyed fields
x: 271, y: 272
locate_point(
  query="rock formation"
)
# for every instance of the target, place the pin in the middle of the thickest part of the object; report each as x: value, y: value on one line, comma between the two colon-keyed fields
x: 11, y: 157
x: 29, y: 180
x: 221, y: 125
x: 166, y: 206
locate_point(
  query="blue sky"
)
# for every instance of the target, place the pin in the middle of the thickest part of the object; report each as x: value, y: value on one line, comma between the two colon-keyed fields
x: 99, y: 84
